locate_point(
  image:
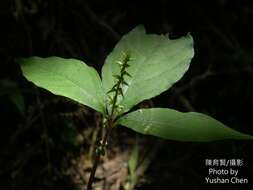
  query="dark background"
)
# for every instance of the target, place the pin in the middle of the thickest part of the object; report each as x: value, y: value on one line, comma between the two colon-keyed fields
x: 40, y: 140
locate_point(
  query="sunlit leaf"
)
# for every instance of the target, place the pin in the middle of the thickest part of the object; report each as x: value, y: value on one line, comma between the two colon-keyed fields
x: 174, y: 125
x: 71, y: 78
x: 156, y: 63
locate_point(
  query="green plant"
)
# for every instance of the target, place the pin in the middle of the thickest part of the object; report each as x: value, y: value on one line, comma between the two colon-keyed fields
x: 140, y: 67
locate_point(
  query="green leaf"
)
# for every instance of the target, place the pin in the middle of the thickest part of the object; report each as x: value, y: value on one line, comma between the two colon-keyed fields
x: 66, y: 77
x: 174, y: 125
x: 156, y: 63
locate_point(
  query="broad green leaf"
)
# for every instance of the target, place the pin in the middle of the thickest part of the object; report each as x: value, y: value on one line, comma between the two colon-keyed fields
x: 174, y: 125
x: 157, y: 63
x: 66, y: 77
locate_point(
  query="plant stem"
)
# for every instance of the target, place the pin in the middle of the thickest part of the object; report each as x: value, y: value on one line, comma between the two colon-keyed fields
x: 109, y: 126
x: 93, y: 171
x: 98, y: 155
x: 100, y: 150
